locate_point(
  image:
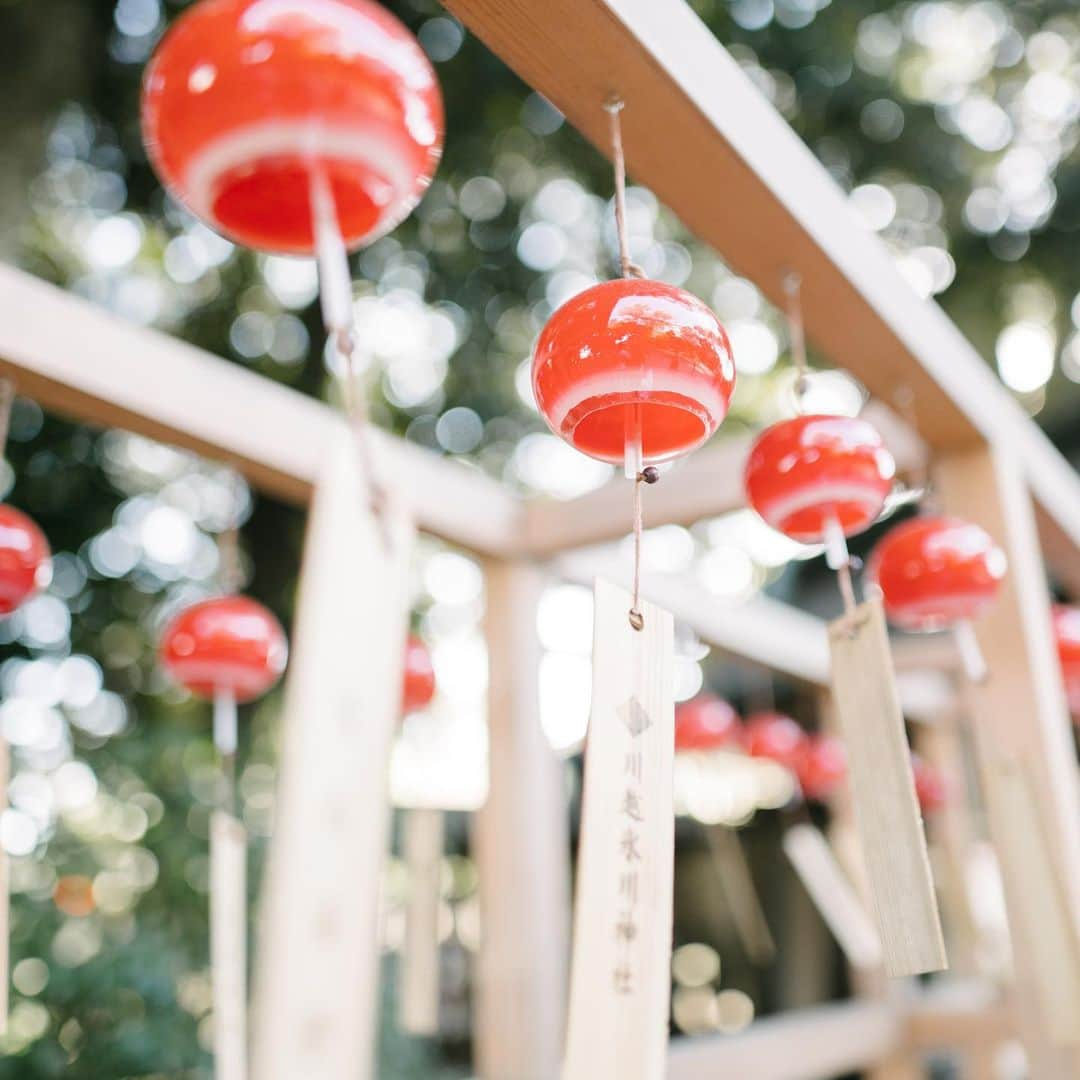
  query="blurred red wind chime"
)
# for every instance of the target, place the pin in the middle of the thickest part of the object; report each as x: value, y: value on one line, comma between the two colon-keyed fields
x: 25, y: 569
x: 636, y: 373
x: 310, y: 129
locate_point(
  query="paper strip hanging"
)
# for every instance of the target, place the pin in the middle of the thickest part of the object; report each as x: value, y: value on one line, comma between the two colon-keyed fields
x: 883, y: 793
x: 317, y: 958
x: 620, y: 970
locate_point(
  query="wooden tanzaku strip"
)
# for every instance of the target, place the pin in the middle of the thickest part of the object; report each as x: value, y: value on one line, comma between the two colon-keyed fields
x: 418, y: 971
x: 620, y: 979
x: 317, y: 960
x: 520, y: 842
x: 81, y: 361
x: 883, y: 789
x: 833, y: 896
x: 228, y: 944
x: 737, y: 883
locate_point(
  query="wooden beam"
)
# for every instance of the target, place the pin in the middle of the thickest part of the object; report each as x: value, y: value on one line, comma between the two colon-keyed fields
x: 810, y: 1044
x: 520, y: 843
x: 78, y: 360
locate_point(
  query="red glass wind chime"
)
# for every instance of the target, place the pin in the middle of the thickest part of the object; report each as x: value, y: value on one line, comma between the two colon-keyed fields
x: 25, y: 569
x: 1066, y: 629
x: 296, y: 128
x: 636, y: 373
x: 821, y: 479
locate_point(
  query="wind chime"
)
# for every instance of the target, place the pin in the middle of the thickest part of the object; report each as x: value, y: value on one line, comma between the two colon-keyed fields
x: 229, y: 650
x: 312, y: 129
x: 820, y: 479
x: 939, y: 573
x: 25, y: 569
x: 635, y: 373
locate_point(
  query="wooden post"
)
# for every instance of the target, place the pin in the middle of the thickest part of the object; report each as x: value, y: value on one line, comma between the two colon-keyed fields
x: 521, y: 845
x: 1021, y: 731
x: 620, y: 980
x: 418, y: 968
x: 883, y: 791
x: 316, y: 982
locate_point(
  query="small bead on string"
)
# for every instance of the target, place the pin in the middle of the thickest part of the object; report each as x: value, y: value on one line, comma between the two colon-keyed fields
x: 633, y: 456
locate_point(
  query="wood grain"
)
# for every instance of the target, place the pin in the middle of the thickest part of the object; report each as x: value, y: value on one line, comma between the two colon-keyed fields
x: 620, y: 979
x: 418, y: 970
x: 317, y: 959
x: 228, y: 944
x: 886, y: 811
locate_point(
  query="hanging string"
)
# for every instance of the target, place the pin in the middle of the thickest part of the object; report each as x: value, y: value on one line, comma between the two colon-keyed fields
x: 793, y: 292
x: 633, y: 454
x: 335, y: 298
x: 627, y: 266
x: 230, y: 566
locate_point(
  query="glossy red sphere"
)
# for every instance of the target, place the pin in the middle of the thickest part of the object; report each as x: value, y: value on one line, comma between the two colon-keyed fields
x: 1067, y: 638
x: 247, y: 102
x: 822, y: 767
x: 935, y: 571
x: 706, y: 723
x: 931, y: 788
x: 631, y: 353
x: 805, y: 471
x: 25, y: 560
x: 418, y: 681
x: 227, y: 643
x: 777, y: 737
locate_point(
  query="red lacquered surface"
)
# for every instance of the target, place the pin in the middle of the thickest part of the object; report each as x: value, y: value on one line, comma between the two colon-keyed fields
x: 804, y: 471
x: 1067, y: 638
x: 930, y: 787
x: 25, y: 560
x: 706, y: 723
x: 934, y: 572
x: 418, y: 681
x: 245, y: 101
x: 822, y: 767
x: 228, y: 643
x: 633, y: 352
x: 777, y: 737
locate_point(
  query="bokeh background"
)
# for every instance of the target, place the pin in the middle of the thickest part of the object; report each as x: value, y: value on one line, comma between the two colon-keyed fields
x: 952, y: 126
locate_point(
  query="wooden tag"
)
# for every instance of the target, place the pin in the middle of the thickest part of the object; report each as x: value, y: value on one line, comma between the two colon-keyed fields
x: 317, y: 961
x: 833, y: 895
x: 883, y: 793
x: 418, y: 968
x: 620, y: 970
x: 228, y: 944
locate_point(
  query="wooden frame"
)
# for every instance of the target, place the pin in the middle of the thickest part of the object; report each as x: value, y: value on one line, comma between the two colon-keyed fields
x: 694, y: 126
